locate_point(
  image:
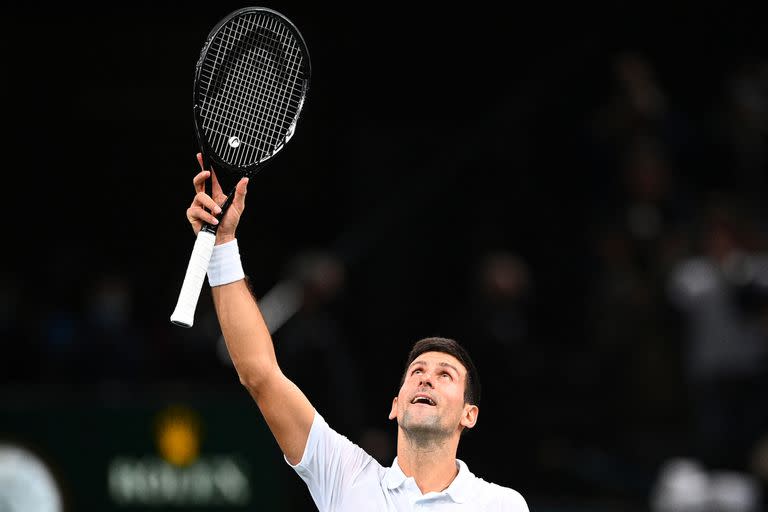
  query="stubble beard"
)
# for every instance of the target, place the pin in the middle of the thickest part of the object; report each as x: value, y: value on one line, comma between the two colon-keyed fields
x: 425, y: 433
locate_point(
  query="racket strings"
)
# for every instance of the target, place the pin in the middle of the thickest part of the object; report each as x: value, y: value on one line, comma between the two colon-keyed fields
x: 268, y: 83
x: 252, y: 73
x: 237, y: 79
x: 237, y: 114
x: 283, y: 74
x: 270, y: 91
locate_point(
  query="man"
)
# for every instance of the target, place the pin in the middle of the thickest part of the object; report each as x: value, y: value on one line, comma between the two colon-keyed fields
x: 436, y: 402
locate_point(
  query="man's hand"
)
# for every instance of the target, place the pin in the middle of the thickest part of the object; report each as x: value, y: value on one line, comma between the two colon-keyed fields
x: 204, y: 207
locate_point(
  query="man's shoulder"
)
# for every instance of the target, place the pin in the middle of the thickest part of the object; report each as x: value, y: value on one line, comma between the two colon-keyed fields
x: 501, y: 496
x: 508, y: 497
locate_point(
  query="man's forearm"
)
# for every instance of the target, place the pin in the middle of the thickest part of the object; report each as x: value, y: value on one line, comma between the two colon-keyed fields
x: 246, y: 335
x: 286, y: 410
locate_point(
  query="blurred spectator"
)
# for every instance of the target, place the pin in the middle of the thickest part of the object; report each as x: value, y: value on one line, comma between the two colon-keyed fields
x: 684, y: 485
x: 741, y: 133
x: 681, y: 486
x: 27, y: 482
x: 648, y: 189
x: 637, y: 239
x: 630, y: 335
x: 502, y: 294
x: 722, y: 291
x: 636, y: 106
x: 650, y: 206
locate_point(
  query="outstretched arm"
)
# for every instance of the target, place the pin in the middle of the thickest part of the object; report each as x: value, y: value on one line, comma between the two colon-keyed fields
x: 286, y: 410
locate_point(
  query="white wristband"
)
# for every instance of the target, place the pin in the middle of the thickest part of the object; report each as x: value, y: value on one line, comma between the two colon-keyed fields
x: 225, y: 266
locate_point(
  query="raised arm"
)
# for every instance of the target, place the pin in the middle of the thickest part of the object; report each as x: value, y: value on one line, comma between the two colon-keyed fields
x: 286, y: 410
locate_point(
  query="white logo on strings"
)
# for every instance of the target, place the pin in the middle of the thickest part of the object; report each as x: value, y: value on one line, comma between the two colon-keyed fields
x: 234, y: 141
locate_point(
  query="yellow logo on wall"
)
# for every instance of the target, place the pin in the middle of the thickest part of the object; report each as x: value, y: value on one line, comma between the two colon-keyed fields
x: 178, y: 435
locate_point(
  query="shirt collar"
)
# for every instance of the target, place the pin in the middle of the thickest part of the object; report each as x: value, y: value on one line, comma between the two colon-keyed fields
x: 459, y: 490
x: 394, y: 477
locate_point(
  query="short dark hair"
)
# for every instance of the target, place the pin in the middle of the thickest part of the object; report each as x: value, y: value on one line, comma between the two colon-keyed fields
x: 453, y: 348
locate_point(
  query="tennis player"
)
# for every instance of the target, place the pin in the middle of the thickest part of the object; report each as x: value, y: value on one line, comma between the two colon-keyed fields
x: 437, y: 400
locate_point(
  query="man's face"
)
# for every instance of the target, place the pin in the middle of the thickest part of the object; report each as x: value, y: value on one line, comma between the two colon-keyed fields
x: 431, y: 400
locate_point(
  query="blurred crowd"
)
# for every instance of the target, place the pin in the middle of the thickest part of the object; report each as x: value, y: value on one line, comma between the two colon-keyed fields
x: 660, y: 392
x: 679, y: 307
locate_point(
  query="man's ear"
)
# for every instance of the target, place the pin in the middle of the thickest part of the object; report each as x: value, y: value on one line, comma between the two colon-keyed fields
x: 469, y: 417
x: 393, y: 411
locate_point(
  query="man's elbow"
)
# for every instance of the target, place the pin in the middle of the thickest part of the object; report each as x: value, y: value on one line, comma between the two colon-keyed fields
x: 256, y: 377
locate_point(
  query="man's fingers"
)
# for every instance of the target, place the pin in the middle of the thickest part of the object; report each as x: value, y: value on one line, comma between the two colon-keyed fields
x: 199, y: 181
x: 204, y: 200
x: 196, y: 213
x: 215, y: 187
x: 240, y: 191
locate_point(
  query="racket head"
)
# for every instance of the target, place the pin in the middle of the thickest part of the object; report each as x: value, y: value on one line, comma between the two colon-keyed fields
x: 251, y: 83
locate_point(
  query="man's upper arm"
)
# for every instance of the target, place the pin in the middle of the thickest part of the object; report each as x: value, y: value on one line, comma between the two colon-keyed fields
x: 288, y: 414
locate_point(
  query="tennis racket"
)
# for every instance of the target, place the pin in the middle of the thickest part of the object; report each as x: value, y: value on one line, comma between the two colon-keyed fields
x: 251, y: 81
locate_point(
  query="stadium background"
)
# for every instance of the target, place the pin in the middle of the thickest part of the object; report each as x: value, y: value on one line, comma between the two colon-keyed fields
x: 524, y: 179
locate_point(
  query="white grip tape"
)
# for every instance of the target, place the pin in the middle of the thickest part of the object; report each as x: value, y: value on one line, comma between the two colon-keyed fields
x: 184, y: 314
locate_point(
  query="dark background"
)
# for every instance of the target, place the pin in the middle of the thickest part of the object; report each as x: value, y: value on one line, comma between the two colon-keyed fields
x: 523, y: 179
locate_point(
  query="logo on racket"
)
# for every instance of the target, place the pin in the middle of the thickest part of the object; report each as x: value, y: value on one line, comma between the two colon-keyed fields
x: 234, y: 141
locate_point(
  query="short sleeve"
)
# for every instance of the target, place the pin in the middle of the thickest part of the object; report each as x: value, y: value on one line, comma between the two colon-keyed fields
x: 329, y: 464
x: 516, y: 502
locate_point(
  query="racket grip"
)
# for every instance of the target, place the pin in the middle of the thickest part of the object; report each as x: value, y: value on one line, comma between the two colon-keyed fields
x: 184, y: 314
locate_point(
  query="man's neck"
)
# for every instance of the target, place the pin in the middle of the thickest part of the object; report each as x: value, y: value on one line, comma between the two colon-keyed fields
x: 433, y: 467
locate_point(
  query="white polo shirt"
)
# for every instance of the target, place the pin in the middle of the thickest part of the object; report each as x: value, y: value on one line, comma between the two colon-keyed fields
x: 342, y: 477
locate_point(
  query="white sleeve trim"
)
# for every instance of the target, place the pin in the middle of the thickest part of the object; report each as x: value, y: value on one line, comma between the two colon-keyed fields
x: 309, y: 448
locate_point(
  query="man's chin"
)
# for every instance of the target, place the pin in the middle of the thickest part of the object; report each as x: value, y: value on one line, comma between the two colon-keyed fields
x: 420, y: 422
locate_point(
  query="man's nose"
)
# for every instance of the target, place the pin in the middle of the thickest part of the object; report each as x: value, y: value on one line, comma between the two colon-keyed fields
x: 426, y: 380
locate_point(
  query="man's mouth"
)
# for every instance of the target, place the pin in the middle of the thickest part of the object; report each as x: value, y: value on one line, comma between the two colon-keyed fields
x: 423, y: 399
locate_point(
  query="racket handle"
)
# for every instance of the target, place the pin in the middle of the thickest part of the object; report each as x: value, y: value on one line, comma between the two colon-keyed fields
x: 184, y: 314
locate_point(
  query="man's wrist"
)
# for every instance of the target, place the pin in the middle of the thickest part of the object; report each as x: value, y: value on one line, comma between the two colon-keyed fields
x: 225, y: 266
x: 224, y: 238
